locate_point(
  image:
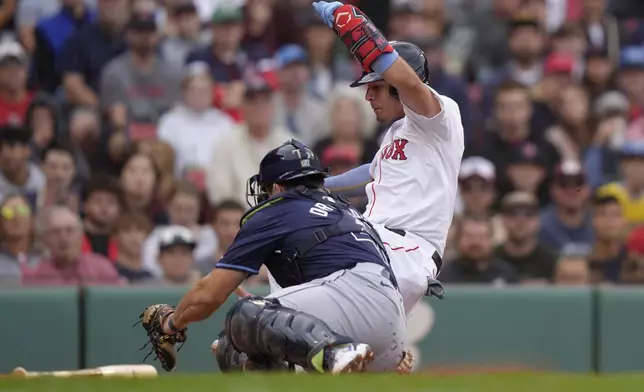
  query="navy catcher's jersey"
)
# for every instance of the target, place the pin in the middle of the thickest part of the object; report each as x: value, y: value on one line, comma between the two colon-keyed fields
x: 270, y: 232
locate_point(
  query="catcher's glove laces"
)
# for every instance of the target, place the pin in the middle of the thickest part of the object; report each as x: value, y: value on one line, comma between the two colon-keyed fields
x: 152, y: 320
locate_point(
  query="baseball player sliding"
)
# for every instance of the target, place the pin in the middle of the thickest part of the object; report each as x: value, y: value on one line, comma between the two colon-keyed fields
x: 340, y: 310
x: 411, y: 182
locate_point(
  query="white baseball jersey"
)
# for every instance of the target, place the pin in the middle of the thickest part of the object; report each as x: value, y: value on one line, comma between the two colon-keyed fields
x: 415, y: 174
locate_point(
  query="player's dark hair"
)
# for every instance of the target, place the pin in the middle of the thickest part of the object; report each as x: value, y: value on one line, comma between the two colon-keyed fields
x: 313, y: 181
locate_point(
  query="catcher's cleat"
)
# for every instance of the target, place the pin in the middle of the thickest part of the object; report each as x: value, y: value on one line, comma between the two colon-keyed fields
x: 241, y: 362
x: 406, y: 364
x: 347, y: 358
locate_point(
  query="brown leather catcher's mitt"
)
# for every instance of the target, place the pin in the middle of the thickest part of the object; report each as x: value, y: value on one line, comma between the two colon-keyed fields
x: 152, y: 320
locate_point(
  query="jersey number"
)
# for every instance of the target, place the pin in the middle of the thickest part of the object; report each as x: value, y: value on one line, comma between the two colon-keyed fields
x: 320, y: 209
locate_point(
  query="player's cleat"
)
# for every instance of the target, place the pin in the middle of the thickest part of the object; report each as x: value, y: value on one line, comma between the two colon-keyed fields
x: 345, y: 358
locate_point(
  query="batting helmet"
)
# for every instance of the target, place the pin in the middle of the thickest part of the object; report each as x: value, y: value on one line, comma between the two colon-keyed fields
x: 287, y: 162
x: 412, y: 54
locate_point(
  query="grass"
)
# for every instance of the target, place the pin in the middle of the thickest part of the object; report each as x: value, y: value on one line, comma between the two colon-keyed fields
x: 357, y: 383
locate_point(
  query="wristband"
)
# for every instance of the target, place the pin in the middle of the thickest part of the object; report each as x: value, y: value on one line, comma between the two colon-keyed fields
x: 384, y: 61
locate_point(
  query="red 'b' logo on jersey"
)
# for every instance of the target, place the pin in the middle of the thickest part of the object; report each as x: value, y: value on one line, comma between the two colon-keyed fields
x: 395, y: 150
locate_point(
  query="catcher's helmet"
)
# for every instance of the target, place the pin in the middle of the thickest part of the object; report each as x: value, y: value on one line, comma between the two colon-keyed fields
x: 412, y: 54
x: 287, y: 162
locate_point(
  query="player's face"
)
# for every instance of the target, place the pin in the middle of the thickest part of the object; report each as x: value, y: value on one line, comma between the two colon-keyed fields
x: 386, y: 107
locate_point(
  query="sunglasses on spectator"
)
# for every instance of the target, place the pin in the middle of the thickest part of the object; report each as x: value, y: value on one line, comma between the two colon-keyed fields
x: 10, y: 213
x: 570, y: 182
x: 526, y: 212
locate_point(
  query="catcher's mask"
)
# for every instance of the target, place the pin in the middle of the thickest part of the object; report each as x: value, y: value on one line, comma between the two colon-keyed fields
x: 290, y: 161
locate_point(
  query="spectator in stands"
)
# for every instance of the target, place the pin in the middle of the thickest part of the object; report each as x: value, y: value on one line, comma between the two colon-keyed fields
x: 534, y: 262
x: 140, y: 80
x: 339, y: 159
x: 572, y: 269
x: 631, y: 78
x: 84, y: 132
x: 600, y: 28
x: 17, y: 174
x: 184, y: 209
x: 42, y: 120
x: 130, y: 231
x: 526, y: 41
x: 163, y: 158
x: 328, y: 66
x: 237, y: 157
x: 139, y: 182
x: 175, y: 256
x: 407, y: 19
x: 17, y: 249
x: 633, y: 268
x: 62, y: 234
x: 609, y: 251
x: 28, y: 14
x: 629, y: 191
x: 261, y: 36
x: 89, y: 49
x: 224, y: 54
x: 225, y: 223
x: 60, y: 169
x: 14, y: 95
x: 46, y: 37
x: 187, y: 37
x: 476, y: 262
x: 351, y: 124
x: 570, y: 40
x: 296, y: 108
x: 511, y: 138
x: 567, y: 220
x: 573, y: 132
x: 102, y: 205
x: 193, y: 127
x: 599, y: 73
x: 527, y: 170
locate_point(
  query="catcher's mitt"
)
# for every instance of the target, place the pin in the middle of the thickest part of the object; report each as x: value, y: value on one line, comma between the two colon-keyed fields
x: 152, y: 320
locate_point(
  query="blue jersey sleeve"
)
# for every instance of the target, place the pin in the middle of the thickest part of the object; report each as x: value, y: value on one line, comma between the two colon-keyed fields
x: 257, y: 239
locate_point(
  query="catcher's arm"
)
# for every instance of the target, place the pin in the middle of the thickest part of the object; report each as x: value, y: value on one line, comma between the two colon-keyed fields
x: 204, y: 298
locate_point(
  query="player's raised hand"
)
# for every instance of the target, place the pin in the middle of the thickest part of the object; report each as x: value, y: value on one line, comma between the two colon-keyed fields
x: 325, y: 10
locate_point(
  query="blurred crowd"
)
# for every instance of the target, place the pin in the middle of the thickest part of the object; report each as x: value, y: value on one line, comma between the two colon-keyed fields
x: 128, y: 129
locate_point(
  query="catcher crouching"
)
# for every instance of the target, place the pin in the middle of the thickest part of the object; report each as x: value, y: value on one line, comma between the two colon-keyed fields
x: 339, y: 310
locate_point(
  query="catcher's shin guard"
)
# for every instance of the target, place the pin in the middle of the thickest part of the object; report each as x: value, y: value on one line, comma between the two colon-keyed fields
x: 231, y: 360
x: 262, y: 327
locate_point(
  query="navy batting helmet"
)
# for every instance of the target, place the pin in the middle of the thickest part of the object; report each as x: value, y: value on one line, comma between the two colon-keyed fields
x: 290, y: 161
x: 412, y: 54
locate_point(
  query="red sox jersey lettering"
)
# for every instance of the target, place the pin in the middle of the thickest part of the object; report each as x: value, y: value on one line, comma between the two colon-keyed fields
x: 395, y: 150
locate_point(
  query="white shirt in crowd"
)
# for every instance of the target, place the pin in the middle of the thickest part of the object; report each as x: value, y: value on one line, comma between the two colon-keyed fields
x: 193, y: 135
x: 235, y: 159
x: 415, y: 174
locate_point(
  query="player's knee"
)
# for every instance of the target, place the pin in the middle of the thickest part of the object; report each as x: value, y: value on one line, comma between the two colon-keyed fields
x: 242, y: 318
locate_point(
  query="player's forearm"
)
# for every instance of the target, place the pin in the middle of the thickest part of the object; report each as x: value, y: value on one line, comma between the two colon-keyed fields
x: 197, y: 305
x: 351, y: 183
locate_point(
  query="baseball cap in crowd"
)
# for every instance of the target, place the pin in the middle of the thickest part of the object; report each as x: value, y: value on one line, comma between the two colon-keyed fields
x: 11, y: 51
x: 256, y: 85
x: 227, y: 15
x: 559, y: 63
x: 632, y: 149
x: 291, y: 54
x: 569, y: 174
x: 519, y: 200
x: 405, y: 7
x: 477, y: 167
x: 528, y: 153
x: 632, y: 57
x: 610, y: 103
x: 523, y: 21
x: 143, y: 22
x: 339, y: 155
x: 176, y: 235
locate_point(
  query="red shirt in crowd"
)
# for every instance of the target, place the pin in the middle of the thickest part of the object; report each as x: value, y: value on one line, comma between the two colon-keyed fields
x: 14, y: 112
x: 91, y: 269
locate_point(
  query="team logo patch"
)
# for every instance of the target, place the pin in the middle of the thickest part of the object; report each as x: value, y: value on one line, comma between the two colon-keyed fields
x: 395, y: 150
